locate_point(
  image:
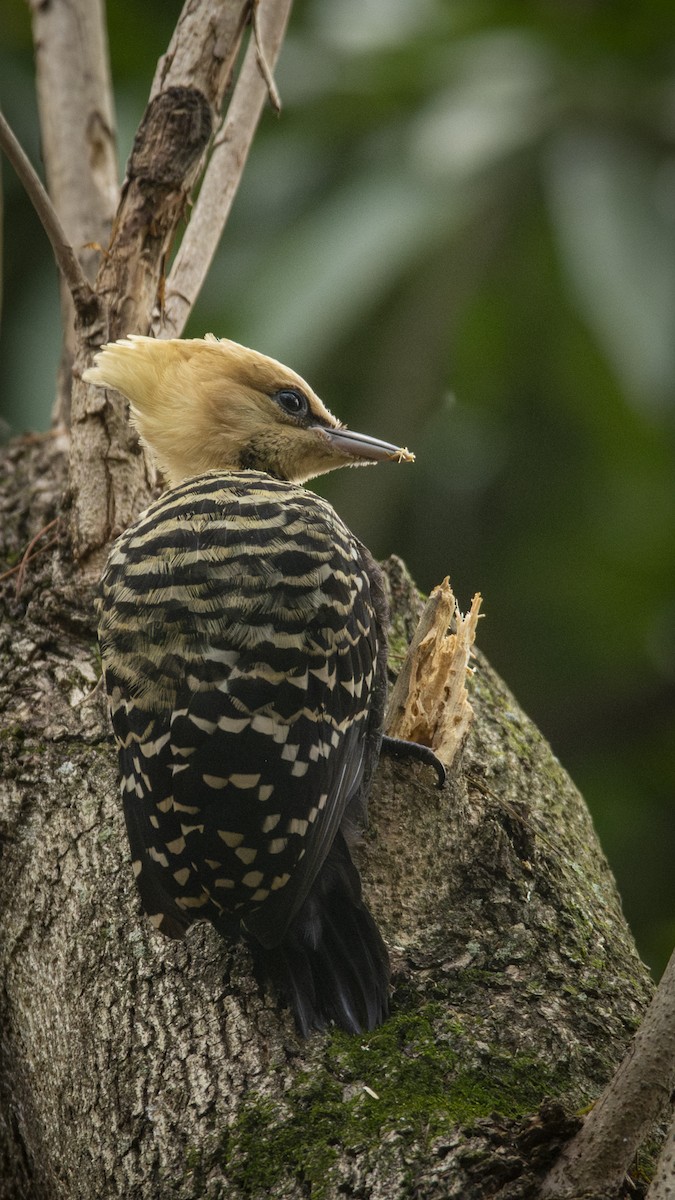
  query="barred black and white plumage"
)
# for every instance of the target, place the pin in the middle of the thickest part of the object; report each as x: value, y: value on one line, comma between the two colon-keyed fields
x: 242, y: 632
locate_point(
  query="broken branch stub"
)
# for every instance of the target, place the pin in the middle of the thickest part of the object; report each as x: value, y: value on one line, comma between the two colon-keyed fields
x: 429, y: 702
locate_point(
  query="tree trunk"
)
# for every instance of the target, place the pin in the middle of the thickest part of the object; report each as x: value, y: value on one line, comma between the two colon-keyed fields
x: 132, y: 1066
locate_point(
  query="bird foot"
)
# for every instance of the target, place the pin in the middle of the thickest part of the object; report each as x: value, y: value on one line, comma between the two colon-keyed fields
x: 399, y: 748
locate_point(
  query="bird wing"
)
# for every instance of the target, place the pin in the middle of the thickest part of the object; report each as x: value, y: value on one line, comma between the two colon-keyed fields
x: 240, y: 644
x: 273, y: 760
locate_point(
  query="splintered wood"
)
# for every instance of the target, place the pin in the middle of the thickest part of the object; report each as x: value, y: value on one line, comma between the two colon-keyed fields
x: 429, y: 703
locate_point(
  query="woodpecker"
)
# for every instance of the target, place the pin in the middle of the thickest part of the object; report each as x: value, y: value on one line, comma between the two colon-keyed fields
x: 242, y: 629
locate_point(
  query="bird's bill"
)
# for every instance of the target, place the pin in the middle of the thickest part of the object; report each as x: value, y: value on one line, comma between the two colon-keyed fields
x: 361, y: 446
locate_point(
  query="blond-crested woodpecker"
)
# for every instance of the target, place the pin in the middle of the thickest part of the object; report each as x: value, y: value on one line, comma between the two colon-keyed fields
x: 243, y: 637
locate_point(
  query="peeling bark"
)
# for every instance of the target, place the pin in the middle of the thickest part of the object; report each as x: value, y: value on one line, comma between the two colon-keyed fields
x: 132, y: 1066
x: 429, y: 703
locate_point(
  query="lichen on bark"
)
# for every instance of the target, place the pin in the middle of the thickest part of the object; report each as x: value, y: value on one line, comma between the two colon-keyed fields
x: 137, y: 1067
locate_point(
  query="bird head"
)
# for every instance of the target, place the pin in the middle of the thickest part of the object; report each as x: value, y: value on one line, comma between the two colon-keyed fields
x: 204, y: 404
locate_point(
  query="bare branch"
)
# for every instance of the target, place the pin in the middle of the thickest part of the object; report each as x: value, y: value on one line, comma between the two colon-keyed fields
x: 223, y: 174
x: 84, y: 298
x: 663, y: 1183
x: 203, y: 48
x: 75, y: 102
x: 602, y: 1151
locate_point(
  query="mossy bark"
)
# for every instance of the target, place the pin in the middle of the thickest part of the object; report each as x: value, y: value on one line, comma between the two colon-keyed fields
x: 137, y: 1067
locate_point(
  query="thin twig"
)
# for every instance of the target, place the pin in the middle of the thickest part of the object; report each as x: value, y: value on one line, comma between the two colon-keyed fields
x: 29, y: 554
x: 98, y: 687
x: 22, y: 567
x: 264, y: 66
x: 224, y: 172
x: 84, y: 297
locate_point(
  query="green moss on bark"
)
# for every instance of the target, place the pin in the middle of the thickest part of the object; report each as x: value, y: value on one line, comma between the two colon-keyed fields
x: 404, y: 1082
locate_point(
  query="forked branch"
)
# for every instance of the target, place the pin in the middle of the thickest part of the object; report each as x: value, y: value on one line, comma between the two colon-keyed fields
x: 225, y: 169
x: 108, y: 475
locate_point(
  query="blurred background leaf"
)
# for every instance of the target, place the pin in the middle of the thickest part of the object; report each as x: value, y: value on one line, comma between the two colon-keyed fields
x: 462, y: 230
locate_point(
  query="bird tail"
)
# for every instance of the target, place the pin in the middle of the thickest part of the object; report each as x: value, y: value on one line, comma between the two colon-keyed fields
x: 332, y: 965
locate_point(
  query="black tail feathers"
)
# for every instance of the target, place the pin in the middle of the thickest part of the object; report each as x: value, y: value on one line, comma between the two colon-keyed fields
x: 332, y: 965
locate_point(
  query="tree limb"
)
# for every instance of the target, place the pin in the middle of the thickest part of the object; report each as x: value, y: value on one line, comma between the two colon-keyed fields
x: 84, y: 297
x: 203, y: 48
x: 223, y: 173
x: 663, y: 1183
x: 601, y: 1153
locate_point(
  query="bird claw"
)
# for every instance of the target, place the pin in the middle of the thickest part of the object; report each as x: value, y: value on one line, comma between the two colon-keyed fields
x: 401, y: 749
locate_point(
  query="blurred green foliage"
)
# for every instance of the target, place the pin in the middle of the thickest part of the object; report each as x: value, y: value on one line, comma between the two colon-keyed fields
x: 462, y: 230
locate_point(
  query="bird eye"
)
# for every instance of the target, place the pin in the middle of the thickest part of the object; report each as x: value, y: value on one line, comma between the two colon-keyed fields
x: 292, y: 401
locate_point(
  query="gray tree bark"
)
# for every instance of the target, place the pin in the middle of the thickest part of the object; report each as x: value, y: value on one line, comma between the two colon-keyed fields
x: 634, y: 1099
x: 77, y: 130
x: 135, y: 1067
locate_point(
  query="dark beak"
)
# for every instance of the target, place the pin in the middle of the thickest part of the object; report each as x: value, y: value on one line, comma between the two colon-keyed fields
x: 360, y: 446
